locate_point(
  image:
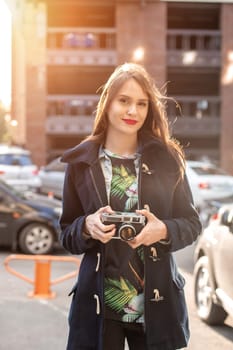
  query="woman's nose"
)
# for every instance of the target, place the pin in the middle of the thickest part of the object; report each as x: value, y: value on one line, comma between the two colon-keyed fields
x: 132, y: 109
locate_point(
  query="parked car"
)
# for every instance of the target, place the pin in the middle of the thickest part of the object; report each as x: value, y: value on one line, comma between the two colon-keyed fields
x: 28, y: 221
x: 210, y: 208
x: 17, y: 168
x: 213, y: 278
x: 208, y: 182
x: 52, y: 178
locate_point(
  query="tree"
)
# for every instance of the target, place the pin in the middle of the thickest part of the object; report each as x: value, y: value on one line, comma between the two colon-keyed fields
x: 4, y: 134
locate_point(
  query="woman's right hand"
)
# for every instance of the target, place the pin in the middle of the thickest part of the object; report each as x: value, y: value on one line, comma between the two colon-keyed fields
x: 96, y: 229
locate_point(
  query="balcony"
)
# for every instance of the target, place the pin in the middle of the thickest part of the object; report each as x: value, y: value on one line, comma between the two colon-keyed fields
x: 187, y: 126
x: 69, y: 125
x: 195, y: 116
x: 84, y: 46
x: 73, y: 105
x: 74, y: 114
x: 70, y: 114
x: 199, y: 48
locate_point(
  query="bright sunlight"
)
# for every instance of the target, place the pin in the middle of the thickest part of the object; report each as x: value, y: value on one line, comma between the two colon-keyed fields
x: 5, y: 55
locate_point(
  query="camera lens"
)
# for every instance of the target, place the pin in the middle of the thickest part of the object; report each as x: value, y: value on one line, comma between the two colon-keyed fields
x: 127, y: 232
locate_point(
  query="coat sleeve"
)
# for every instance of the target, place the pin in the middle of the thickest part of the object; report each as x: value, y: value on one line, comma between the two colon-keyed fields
x: 73, y: 218
x: 184, y: 226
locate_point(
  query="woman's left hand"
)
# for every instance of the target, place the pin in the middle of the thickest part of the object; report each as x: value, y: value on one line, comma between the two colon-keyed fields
x: 154, y: 230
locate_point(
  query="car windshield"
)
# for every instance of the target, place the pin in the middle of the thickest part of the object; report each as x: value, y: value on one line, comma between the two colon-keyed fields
x: 208, y: 170
x: 14, y: 159
x: 13, y: 191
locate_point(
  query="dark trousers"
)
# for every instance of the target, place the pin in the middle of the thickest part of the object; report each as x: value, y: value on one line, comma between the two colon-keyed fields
x: 116, y: 332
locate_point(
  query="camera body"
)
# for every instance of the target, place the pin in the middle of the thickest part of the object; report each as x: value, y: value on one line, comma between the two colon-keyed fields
x: 128, y: 225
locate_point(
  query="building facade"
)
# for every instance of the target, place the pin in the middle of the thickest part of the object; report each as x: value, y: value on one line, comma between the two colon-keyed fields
x: 63, y: 52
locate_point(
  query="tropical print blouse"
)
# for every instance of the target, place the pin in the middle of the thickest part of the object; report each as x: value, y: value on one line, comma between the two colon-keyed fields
x: 124, y: 267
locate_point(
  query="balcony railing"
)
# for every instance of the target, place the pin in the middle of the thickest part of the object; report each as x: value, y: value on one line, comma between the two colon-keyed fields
x: 186, y: 127
x: 194, y: 106
x: 63, y: 125
x: 195, y: 115
x: 70, y: 114
x: 74, y: 114
x: 71, y: 105
x: 88, y: 46
x: 193, y: 47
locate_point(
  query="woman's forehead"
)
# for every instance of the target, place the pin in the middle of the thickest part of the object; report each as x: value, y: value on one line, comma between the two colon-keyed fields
x: 132, y: 88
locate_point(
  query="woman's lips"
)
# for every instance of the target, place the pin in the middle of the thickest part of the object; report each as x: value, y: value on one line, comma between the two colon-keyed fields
x: 130, y: 121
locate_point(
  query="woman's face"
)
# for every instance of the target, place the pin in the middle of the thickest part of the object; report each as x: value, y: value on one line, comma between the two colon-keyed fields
x: 128, y: 110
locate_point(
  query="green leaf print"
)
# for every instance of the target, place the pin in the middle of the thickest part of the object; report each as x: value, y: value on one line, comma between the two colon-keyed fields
x: 130, y: 203
x: 118, y: 293
x: 124, y: 183
x: 134, y: 309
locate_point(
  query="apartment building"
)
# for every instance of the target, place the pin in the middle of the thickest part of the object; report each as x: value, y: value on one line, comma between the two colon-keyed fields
x: 64, y: 50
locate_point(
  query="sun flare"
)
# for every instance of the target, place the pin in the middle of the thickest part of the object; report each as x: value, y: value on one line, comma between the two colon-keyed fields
x: 5, y: 55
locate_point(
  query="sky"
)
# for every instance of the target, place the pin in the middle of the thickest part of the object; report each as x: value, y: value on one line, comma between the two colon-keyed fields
x: 5, y: 54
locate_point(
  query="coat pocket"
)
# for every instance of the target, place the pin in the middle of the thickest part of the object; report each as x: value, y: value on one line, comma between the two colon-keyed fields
x: 179, y: 301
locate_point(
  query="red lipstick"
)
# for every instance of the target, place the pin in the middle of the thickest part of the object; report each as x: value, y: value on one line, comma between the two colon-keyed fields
x: 130, y: 121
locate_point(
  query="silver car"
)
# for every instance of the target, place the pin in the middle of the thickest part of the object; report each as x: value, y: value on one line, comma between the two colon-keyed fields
x: 52, y: 178
x: 17, y: 168
x: 213, y: 278
x: 208, y: 182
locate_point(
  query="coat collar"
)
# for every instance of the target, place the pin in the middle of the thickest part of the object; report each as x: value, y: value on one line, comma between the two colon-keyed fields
x: 88, y: 151
x: 85, y: 152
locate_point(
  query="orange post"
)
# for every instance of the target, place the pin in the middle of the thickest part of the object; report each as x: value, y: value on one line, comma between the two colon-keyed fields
x: 42, y: 280
x: 42, y: 270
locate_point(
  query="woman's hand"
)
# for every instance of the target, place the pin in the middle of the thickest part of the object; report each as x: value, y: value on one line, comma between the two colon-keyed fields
x: 154, y: 230
x: 96, y: 229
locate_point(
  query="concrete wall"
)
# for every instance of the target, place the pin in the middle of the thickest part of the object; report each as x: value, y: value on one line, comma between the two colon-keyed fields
x: 226, y: 144
x: 143, y: 26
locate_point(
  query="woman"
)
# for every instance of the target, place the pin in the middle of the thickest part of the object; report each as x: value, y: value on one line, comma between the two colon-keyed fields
x: 128, y: 289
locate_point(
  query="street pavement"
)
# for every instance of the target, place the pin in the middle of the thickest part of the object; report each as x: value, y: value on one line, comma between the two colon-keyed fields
x: 28, y: 323
x: 33, y: 323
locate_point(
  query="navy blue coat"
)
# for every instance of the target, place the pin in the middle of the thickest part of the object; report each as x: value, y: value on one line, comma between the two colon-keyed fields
x: 170, y: 199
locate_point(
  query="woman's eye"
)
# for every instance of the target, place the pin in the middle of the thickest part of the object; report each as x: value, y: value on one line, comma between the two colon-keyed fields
x: 142, y: 104
x: 123, y: 100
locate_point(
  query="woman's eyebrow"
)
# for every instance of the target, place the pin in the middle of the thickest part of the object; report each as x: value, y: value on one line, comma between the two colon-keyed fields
x: 127, y: 96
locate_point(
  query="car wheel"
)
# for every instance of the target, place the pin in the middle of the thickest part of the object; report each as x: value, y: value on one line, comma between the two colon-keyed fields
x: 36, y: 239
x: 207, y: 310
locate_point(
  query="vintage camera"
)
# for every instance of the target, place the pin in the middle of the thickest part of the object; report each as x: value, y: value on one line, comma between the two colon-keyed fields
x: 128, y: 225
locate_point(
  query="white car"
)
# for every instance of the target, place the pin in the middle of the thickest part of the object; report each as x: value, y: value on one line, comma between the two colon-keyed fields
x: 17, y: 168
x: 208, y: 182
x: 213, y: 278
x: 52, y: 178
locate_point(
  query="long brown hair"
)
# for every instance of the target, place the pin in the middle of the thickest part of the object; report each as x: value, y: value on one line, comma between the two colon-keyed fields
x: 156, y: 123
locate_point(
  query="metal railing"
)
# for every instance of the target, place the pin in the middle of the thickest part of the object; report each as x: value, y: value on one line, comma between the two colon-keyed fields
x: 195, y: 106
x: 74, y: 114
x: 42, y: 269
x: 193, y: 47
x: 81, y: 38
x: 87, y: 46
x: 71, y: 105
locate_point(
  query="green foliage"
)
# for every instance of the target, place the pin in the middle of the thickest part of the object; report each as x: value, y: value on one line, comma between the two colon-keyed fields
x: 4, y: 135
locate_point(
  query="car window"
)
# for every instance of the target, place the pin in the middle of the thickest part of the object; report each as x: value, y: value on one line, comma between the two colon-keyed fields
x: 14, y: 159
x: 207, y: 170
